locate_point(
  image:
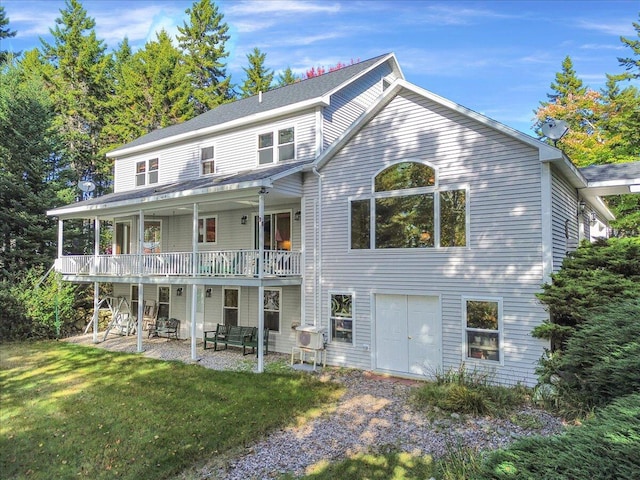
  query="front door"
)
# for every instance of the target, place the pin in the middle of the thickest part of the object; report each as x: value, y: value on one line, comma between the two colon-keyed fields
x: 408, y: 334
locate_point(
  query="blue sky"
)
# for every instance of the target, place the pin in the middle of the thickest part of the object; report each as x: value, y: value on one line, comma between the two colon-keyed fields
x: 495, y: 57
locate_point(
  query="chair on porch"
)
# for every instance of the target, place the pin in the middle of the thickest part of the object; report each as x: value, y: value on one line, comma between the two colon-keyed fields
x: 149, y: 314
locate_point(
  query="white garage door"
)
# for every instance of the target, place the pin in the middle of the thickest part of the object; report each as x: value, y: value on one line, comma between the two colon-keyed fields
x: 408, y: 334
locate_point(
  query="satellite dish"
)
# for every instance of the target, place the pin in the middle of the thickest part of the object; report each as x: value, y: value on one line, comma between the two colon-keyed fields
x: 554, y: 129
x: 86, y: 186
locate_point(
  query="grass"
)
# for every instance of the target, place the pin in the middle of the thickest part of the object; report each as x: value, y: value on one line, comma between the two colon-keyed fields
x: 71, y: 411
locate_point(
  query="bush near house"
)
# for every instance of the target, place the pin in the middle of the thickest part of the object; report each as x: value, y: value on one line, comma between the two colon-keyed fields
x: 592, y: 277
x: 604, y: 447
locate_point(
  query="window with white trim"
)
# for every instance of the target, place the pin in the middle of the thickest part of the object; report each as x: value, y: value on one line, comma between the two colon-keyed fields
x: 164, y: 301
x: 483, y: 325
x: 230, y: 306
x: 270, y: 151
x: 207, y: 229
x: 408, y: 209
x: 207, y: 161
x: 147, y: 172
x: 342, y: 315
x: 272, y: 309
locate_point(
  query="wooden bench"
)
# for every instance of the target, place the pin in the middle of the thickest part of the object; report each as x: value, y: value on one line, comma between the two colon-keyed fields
x: 165, y: 327
x: 236, y: 336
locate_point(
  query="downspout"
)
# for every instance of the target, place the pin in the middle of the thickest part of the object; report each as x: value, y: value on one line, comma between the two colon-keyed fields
x: 317, y: 256
x: 194, y: 287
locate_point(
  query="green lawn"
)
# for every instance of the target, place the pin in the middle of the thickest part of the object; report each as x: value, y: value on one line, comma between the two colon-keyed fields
x: 71, y: 411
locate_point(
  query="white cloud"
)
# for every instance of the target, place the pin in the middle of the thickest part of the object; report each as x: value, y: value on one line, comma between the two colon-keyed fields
x: 280, y: 7
x: 622, y: 28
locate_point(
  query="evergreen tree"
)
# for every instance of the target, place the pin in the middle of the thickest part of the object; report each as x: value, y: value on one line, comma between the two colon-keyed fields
x: 287, y: 78
x: 80, y: 81
x: 567, y: 83
x: 258, y: 78
x: 631, y: 64
x: 30, y: 169
x: 5, y: 32
x: 154, y: 89
x: 203, y: 41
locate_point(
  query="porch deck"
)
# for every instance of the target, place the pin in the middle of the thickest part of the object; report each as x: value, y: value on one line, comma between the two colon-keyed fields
x: 219, y: 263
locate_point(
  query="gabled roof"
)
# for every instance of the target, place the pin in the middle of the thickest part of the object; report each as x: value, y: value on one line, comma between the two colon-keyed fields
x: 302, y: 94
x: 612, y: 179
x: 254, y: 178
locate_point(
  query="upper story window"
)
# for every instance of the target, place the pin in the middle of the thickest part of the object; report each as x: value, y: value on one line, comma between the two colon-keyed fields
x: 408, y: 209
x: 147, y: 172
x: 207, y: 161
x: 270, y: 151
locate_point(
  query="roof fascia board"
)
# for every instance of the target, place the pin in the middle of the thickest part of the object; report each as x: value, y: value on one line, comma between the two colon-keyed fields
x: 245, y: 121
x: 384, y: 59
x: 71, y: 211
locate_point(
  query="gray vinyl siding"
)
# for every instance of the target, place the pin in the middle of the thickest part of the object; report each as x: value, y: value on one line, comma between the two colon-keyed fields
x: 504, y: 255
x: 234, y: 151
x: 351, y: 102
x: 564, y: 208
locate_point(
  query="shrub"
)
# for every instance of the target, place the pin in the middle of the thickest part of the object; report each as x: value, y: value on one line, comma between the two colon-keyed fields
x: 604, y: 447
x: 602, y: 359
x: 590, y: 278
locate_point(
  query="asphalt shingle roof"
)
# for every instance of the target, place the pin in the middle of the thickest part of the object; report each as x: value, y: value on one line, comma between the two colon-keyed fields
x: 280, y: 97
x: 195, y: 184
x: 611, y: 172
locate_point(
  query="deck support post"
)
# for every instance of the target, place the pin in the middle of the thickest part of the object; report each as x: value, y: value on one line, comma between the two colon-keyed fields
x: 140, y: 314
x: 96, y: 310
x: 194, y: 288
x: 261, y: 278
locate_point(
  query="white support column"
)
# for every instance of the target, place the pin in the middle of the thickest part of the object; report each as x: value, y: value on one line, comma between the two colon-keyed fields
x: 194, y: 290
x: 261, y: 286
x: 60, y: 238
x: 140, y: 312
x: 96, y: 245
x: 140, y: 315
x: 96, y: 301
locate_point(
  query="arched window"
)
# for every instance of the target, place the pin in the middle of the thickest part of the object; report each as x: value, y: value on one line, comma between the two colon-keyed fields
x: 403, y: 176
x: 407, y: 209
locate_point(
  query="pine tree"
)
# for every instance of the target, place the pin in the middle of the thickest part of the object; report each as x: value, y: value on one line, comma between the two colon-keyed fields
x: 154, y: 89
x: 78, y: 77
x: 567, y: 83
x: 30, y: 167
x: 258, y: 78
x: 287, y: 77
x: 5, y: 32
x: 203, y: 41
x: 631, y: 64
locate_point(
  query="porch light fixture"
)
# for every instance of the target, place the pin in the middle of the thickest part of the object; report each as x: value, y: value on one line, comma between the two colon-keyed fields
x: 594, y: 217
x: 243, y: 220
x: 179, y: 292
x: 296, y: 216
x: 581, y: 206
x: 207, y: 293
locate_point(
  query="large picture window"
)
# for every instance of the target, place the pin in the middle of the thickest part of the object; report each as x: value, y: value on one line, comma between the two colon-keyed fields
x: 409, y: 210
x: 270, y: 151
x: 483, y: 324
x: 342, y: 317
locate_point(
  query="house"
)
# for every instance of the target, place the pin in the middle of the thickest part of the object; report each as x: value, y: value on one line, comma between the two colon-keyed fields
x: 415, y: 231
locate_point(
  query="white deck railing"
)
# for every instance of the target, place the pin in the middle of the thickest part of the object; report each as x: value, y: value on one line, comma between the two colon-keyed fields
x: 220, y: 263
